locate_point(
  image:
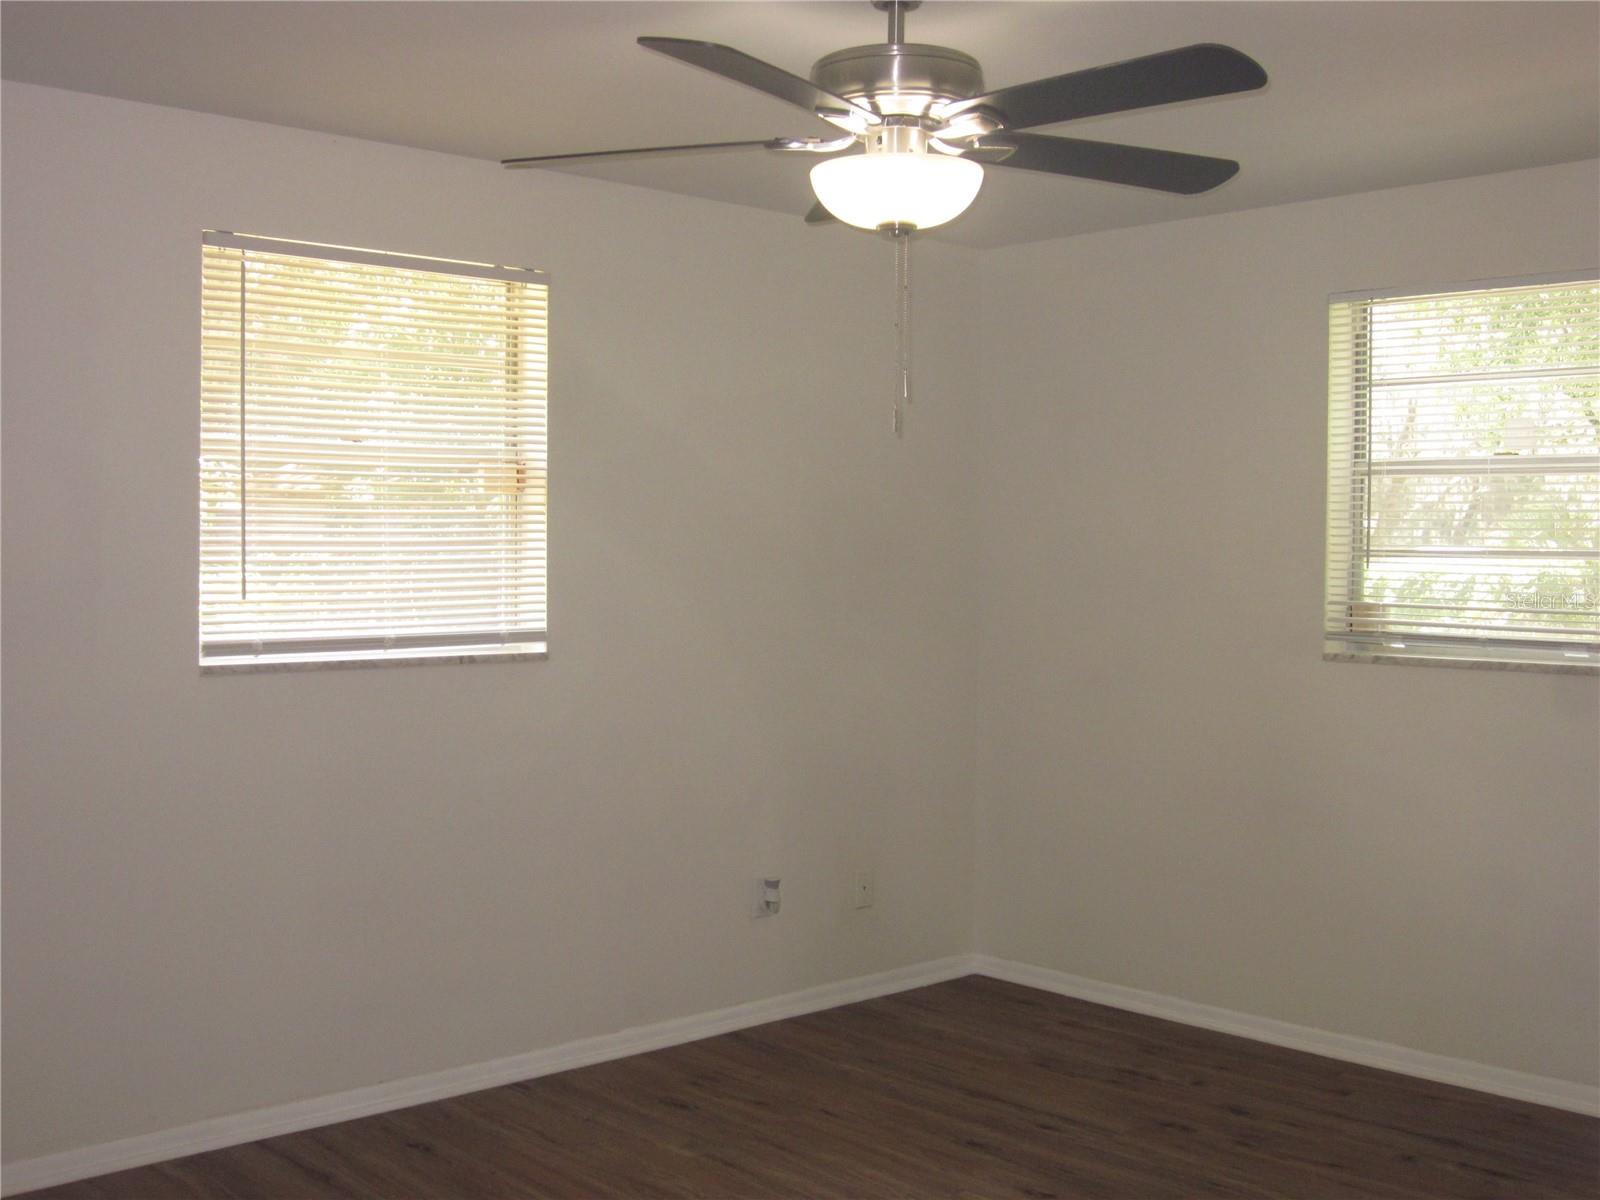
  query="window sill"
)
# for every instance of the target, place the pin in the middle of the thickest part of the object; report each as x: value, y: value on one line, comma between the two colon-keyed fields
x: 250, y: 665
x: 1474, y: 664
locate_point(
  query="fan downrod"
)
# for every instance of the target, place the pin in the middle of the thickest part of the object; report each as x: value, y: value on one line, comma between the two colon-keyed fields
x: 897, y: 10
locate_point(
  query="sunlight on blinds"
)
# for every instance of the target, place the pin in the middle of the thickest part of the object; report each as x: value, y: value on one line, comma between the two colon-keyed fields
x: 372, y: 455
x: 1464, y: 480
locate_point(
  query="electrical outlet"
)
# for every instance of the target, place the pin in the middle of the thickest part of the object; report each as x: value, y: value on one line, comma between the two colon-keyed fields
x: 769, y: 899
x: 862, y: 891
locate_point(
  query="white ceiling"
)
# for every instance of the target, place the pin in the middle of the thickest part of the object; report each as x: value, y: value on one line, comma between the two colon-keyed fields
x: 1362, y: 95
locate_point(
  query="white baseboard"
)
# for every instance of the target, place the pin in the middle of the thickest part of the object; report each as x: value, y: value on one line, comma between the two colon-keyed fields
x: 234, y: 1129
x: 1499, y: 1081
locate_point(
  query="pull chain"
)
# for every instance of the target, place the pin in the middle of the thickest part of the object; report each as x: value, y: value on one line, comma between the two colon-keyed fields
x: 902, y: 328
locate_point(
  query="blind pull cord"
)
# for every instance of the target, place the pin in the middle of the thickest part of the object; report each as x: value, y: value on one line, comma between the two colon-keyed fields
x: 244, y: 466
x: 902, y: 327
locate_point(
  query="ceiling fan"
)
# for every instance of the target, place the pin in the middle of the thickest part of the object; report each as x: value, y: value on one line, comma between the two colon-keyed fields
x: 926, y: 126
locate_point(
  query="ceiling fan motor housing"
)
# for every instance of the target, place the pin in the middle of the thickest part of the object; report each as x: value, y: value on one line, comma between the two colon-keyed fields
x: 905, y: 78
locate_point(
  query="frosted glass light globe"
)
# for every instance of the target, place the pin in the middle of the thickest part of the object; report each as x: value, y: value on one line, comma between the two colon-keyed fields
x: 870, y: 191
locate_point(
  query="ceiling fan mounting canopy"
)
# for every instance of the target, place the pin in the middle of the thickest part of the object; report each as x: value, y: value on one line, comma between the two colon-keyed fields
x: 922, y: 120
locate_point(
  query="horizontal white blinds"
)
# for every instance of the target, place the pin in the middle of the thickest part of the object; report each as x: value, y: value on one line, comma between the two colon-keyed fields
x: 1464, y: 472
x: 372, y: 458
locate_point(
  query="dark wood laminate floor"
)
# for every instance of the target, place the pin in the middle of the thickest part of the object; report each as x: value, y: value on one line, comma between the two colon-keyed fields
x: 974, y: 1088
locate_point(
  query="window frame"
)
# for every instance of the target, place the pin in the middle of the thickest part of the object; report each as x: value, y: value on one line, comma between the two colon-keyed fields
x: 228, y: 655
x: 1354, y: 470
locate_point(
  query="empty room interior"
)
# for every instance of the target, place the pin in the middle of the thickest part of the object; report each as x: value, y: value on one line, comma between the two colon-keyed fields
x: 801, y: 600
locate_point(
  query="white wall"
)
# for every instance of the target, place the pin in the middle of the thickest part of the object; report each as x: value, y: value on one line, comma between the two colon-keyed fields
x: 227, y: 892
x: 1176, y: 793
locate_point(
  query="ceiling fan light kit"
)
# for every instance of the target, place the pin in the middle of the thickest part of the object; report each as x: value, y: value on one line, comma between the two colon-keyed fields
x: 926, y: 128
x: 898, y: 184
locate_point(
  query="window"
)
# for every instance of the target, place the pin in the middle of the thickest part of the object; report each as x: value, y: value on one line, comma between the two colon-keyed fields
x: 1464, y: 474
x: 372, y: 456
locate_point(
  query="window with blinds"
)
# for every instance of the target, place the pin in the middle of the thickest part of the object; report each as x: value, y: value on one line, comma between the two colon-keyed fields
x: 372, y: 455
x: 1464, y: 473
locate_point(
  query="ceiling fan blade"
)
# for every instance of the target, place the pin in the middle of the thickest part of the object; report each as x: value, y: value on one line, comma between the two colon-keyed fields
x: 537, y: 159
x: 764, y: 77
x: 812, y: 145
x: 1190, y: 73
x: 1137, y: 166
x: 819, y: 215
